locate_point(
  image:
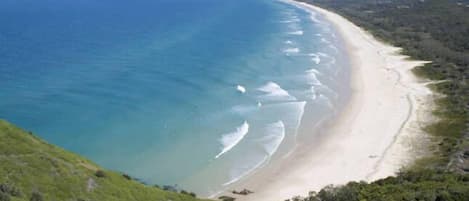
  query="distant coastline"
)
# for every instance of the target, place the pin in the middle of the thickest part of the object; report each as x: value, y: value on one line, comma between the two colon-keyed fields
x: 377, y: 134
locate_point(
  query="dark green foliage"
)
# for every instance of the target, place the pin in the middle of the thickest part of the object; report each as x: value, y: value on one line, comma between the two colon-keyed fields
x: 36, y: 196
x: 10, y: 190
x: 170, y: 188
x: 4, y: 197
x: 127, y: 176
x: 412, y: 185
x: 193, y: 194
x: 100, y: 174
x: 188, y: 193
x: 226, y: 198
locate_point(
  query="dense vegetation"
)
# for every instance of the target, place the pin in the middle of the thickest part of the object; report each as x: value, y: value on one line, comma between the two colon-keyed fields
x: 31, y: 169
x: 427, y: 185
x: 431, y: 30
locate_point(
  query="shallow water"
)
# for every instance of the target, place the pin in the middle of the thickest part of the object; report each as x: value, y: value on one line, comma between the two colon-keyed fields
x: 170, y: 92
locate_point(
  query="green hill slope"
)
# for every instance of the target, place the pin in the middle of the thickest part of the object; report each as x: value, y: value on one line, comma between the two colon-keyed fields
x: 31, y: 169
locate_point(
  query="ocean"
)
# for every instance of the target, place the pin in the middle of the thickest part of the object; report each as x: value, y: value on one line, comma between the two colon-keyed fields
x: 193, y: 93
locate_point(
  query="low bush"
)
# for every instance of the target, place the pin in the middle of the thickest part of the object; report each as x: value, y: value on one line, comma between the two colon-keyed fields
x: 100, y: 174
x: 36, y: 196
x: 4, y: 197
x: 127, y: 176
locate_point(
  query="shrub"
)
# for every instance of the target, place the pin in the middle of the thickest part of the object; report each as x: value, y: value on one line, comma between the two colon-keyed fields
x: 100, y: 174
x: 4, y: 196
x: 127, y: 176
x: 226, y: 198
x: 169, y: 188
x: 193, y: 194
x: 10, y: 190
x: 36, y: 196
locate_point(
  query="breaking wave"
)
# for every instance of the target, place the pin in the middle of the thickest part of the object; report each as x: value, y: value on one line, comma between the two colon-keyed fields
x: 300, y: 32
x: 230, y: 140
x: 241, y: 89
x: 269, y: 143
x: 273, y: 91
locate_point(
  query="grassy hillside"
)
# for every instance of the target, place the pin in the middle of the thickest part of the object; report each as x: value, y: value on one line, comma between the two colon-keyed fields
x: 31, y: 169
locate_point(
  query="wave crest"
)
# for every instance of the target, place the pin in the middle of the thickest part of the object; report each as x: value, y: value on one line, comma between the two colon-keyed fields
x: 273, y: 91
x: 241, y: 89
x: 275, y: 137
x: 230, y: 140
x: 291, y: 50
x: 300, y: 32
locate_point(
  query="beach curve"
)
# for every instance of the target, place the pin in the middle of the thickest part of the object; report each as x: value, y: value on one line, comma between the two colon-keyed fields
x: 371, y: 138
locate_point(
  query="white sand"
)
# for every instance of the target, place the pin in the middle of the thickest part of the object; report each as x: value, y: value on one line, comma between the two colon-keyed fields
x: 372, y: 138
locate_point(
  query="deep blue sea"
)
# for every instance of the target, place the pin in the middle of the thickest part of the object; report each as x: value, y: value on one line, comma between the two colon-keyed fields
x: 194, y: 93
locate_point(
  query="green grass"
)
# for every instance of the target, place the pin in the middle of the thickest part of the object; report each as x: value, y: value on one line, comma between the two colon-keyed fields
x: 30, y: 165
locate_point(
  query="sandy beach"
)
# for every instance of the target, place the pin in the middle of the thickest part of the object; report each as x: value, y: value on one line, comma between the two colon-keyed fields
x: 377, y: 133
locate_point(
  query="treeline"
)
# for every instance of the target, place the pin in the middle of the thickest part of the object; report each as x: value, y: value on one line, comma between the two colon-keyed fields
x: 427, y: 185
x: 431, y: 30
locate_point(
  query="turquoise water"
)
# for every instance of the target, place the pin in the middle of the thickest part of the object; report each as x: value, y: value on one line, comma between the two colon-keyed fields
x: 170, y: 92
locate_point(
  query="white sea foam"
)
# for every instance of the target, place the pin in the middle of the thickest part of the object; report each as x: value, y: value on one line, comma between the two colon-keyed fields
x: 291, y: 50
x: 289, y: 42
x: 241, y: 89
x: 292, y: 112
x: 312, y: 77
x: 230, y: 140
x: 290, y: 20
x: 323, y: 54
x: 313, y: 94
x: 300, y: 32
x: 315, y: 58
x: 312, y: 70
x: 275, y: 135
x: 314, y: 19
x: 333, y: 47
x: 273, y: 91
x: 325, y: 41
x: 332, y: 59
x: 244, y: 109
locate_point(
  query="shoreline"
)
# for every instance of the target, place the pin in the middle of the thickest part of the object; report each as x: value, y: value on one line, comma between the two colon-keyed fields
x: 378, y: 132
